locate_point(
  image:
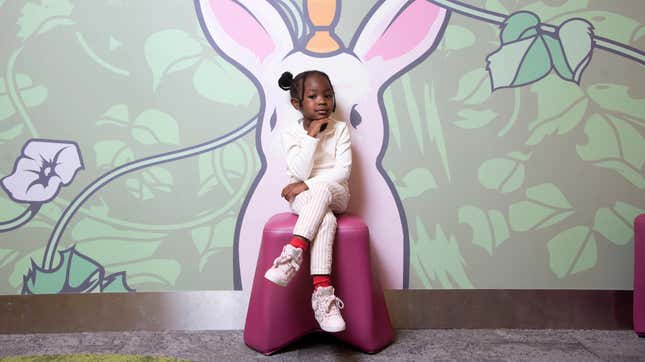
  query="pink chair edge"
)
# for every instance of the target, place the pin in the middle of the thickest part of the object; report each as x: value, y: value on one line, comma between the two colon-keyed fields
x: 639, y: 275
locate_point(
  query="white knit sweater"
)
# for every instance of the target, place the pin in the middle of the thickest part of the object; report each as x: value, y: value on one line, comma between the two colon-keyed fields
x: 325, y: 158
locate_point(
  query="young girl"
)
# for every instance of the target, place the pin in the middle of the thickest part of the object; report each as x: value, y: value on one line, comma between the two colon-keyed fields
x: 319, y: 160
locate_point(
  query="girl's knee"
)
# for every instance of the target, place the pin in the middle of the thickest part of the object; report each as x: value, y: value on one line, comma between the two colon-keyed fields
x: 329, y: 219
x: 322, y: 190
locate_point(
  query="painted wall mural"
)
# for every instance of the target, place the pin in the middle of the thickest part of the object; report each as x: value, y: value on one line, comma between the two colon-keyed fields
x: 497, y: 143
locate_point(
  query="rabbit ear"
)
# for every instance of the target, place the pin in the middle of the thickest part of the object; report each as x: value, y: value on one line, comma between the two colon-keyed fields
x: 397, y: 33
x: 251, y: 32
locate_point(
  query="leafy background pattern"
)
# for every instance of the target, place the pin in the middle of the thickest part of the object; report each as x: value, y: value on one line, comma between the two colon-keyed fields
x: 533, y: 187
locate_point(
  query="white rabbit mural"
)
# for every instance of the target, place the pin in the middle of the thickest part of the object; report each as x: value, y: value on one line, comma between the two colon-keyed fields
x: 394, y: 36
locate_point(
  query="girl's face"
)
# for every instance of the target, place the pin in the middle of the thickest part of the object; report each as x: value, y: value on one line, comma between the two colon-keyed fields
x: 318, y: 98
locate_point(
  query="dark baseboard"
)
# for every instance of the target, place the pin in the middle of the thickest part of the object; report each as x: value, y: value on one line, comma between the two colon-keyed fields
x: 226, y: 310
x: 519, y: 309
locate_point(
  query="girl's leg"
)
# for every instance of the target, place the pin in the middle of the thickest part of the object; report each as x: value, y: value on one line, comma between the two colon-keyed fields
x: 322, y: 246
x: 318, y: 220
x: 313, y: 204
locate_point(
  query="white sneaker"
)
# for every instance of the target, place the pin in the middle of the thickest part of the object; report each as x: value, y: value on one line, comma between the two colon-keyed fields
x: 327, y: 308
x: 285, y: 266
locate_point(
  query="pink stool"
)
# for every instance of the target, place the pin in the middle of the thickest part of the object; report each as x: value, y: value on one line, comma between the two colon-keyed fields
x: 639, y: 275
x: 278, y: 316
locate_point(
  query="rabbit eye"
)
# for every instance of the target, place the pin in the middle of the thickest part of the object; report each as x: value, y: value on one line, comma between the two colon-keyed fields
x: 355, y: 117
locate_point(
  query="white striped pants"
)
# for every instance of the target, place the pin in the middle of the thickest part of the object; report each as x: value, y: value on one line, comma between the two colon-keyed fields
x: 317, y: 223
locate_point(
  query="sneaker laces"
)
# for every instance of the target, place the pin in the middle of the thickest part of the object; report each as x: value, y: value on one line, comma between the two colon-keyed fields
x: 287, y: 259
x: 332, y: 301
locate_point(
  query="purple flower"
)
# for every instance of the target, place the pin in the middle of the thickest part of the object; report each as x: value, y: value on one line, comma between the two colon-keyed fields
x: 41, y: 170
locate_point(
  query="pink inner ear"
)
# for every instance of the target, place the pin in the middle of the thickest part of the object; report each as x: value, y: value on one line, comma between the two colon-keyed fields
x: 242, y: 27
x: 406, y: 31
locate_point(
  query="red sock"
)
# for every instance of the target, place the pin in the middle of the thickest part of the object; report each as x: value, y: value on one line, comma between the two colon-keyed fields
x: 299, y: 243
x: 321, y: 281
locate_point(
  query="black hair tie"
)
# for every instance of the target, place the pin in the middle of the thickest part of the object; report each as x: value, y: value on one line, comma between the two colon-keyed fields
x: 285, y: 81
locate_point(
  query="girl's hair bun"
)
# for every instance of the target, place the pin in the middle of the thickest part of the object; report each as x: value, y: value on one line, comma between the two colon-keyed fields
x: 285, y: 80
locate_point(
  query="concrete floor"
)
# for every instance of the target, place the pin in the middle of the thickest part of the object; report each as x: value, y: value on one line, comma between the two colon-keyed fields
x: 410, y: 345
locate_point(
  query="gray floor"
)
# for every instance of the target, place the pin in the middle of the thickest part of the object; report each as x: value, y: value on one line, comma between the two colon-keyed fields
x: 411, y: 345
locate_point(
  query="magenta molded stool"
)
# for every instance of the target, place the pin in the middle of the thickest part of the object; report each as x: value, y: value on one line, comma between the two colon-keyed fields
x: 639, y: 275
x: 278, y: 316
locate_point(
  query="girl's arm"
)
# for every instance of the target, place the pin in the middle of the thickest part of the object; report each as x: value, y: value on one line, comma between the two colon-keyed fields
x: 343, y: 167
x: 300, y: 154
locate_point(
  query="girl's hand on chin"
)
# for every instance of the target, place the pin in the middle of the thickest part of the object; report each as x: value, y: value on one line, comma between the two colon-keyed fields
x: 316, y: 126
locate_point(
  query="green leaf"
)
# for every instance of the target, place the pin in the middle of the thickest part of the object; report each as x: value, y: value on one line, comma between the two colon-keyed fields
x: 221, y: 167
x: 231, y: 161
x: 90, y: 229
x: 614, y: 144
x: 51, y: 211
x: 158, y: 178
x: 8, y: 208
x: 545, y: 206
x: 609, y: 225
x: 489, y: 229
x: 138, y: 189
x: 639, y: 34
x: 437, y: 260
x: 435, y: 130
x: 548, y: 9
x: 518, y: 26
x: 627, y: 211
x: 112, y: 153
x: 523, y: 57
x: 572, y: 251
x: 117, y: 115
x: 576, y: 38
x: 7, y: 256
x: 519, y: 156
x: 98, y: 208
x: 616, y: 224
x: 118, y: 251
x: 496, y: 6
x: 152, y: 181
x: 611, y: 25
x: 32, y: 95
x: 558, y: 59
x: 503, y: 174
x: 210, y: 239
x: 519, y: 63
x: 169, y: 51
x: 500, y: 227
x: 472, y: 118
x: 559, y: 111
x: 11, y: 134
x: 115, y: 283
x: 473, y: 87
x: 153, y: 126
x: 84, y: 273
x: 208, y: 176
x: 616, y: 98
x: 74, y: 273
x: 548, y: 194
x: 220, y: 82
x: 416, y: 182
x: 412, y: 108
x: 114, y: 44
x: 38, y: 281
x: 458, y: 37
x: 43, y: 17
x: 153, y: 272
